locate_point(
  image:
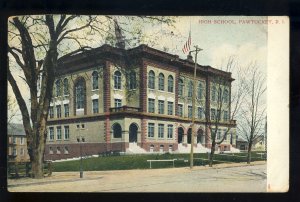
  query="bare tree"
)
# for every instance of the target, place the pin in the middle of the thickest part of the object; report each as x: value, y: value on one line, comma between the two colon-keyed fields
x: 225, y: 103
x: 252, y: 117
x: 35, y: 44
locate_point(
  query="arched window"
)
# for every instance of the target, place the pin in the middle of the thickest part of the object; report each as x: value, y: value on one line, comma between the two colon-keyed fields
x: 220, y: 96
x: 58, y: 87
x: 151, y: 80
x: 213, y: 93
x: 117, y: 79
x: 200, y: 90
x: 117, y: 130
x: 161, y: 82
x: 170, y: 84
x: 95, y: 80
x: 226, y: 98
x: 80, y: 94
x: 190, y: 89
x: 180, y: 87
x: 132, y: 80
x: 66, y: 86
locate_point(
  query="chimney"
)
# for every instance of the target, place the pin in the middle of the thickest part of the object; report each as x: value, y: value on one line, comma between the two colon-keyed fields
x: 189, y: 58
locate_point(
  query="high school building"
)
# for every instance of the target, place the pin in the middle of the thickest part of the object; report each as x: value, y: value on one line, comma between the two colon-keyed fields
x: 107, y: 98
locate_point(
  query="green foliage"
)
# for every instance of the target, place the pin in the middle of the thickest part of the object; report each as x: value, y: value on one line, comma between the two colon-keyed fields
x: 140, y: 161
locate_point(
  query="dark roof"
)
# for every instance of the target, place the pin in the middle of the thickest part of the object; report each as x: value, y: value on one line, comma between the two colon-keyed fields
x: 15, y: 129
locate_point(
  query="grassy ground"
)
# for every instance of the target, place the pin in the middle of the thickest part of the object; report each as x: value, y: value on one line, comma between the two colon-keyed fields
x: 140, y: 161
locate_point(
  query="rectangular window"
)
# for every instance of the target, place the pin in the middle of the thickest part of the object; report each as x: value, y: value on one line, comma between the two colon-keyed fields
x: 67, y: 111
x: 151, y: 105
x: 170, y: 131
x: 212, y: 114
x: 58, y: 111
x: 200, y: 113
x: 180, y: 110
x: 118, y: 103
x: 161, y: 107
x: 22, y: 141
x: 95, y: 106
x: 22, y: 151
x: 226, y: 117
x: 14, y: 140
x: 190, y: 111
x: 160, y: 130
x: 219, y: 135
x: 170, y: 108
x: 51, y: 133
x: 51, y: 112
x: 58, y: 133
x: 219, y: 114
x: 15, y: 152
x: 67, y: 132
x: 150, y: 129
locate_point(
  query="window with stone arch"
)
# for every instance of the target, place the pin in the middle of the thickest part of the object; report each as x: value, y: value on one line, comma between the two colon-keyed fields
x: 190, y: 89
x: 66, y: 86
x: 180, y: 87
x: 161, y: 81
x: 117, y: 130
x: 170, y: 84
x: 151, y: 80
x: 95, y: 79
x: 200, y: 90
x: 132, y: 80
x: 80, y: 93
x: 58, y: 87
x: 117, y: 80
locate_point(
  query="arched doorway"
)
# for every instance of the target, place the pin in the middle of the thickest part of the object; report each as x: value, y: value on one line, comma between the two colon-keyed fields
x: 117, y: 130
x: 189, y: 136
x: 200, y: 137
x: 133, y: 130
x: 180, y: 135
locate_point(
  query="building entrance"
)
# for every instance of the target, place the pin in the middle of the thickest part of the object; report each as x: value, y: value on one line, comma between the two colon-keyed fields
x: 133, y: 130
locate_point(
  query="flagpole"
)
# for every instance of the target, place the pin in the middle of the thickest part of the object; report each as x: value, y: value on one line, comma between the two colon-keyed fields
x: 193, y: 107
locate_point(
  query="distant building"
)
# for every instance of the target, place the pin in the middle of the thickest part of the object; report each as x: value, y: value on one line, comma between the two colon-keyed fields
x: 17, y: 144
x: 114, y: 98
x: 258, y: 144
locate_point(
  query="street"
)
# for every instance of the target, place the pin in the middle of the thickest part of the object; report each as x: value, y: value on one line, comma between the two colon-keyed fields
x: 220, y: 178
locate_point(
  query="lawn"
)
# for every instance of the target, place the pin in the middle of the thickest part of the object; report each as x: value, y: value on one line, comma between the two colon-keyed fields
x: 128, y: 162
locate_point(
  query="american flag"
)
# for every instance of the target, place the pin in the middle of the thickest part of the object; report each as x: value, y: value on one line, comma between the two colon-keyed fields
x: 187, y: 46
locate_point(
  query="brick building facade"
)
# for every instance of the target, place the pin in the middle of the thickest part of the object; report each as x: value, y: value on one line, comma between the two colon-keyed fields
x: 111, y: 97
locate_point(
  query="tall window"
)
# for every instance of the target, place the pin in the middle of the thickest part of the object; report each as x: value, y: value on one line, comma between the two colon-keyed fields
x: 150, y: 129
x: 95, y: 106
x: 67, y: 132
x: 161, y: 82
x: 58, y: 133
x: 226, y: 97
x: 170, y: 84
x: 219, y: 114
x: 14, y: 140
x: 160, y: 130
x: 180, y: 87
x: 226, y: 117
x: 51, y: 133
x: 220, y: 96
x: 170, y: 108
x: 170, y: 131
x: 161, y: 106
x: 200, y: 113
x: 80, y: 94
x: 180, y: 110
x: 117, y: 80
x: 118, y: 103
x: 200, y: 90
x: 67, y: 110
x: 151, y: 105
x: 66, y: 86
x: 190, y: 111
x: 151, y: 80
x: 22, y: 140
x: 212, y: 114
x: 95, y: 80
x: 117, y: 130
x: 58, y: 87
x: 58, y: 111
x: 190, y: 89
x: 22, y: 151
x: 51, y: 112
x: 213, y: 93
x: 219, y: 134
x: 132, y: 80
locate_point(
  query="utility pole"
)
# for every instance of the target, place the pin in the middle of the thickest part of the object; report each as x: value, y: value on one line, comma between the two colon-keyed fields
x: 194, y: 107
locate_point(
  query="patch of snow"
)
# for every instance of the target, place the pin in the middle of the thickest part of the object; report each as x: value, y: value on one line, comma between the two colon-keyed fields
x: 187, y: 149
x: 135, y: 149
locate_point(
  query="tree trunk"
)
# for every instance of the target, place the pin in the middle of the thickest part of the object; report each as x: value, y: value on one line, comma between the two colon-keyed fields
x: 39, y: 142
x: 211, y: 157
x: 249, y: 152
